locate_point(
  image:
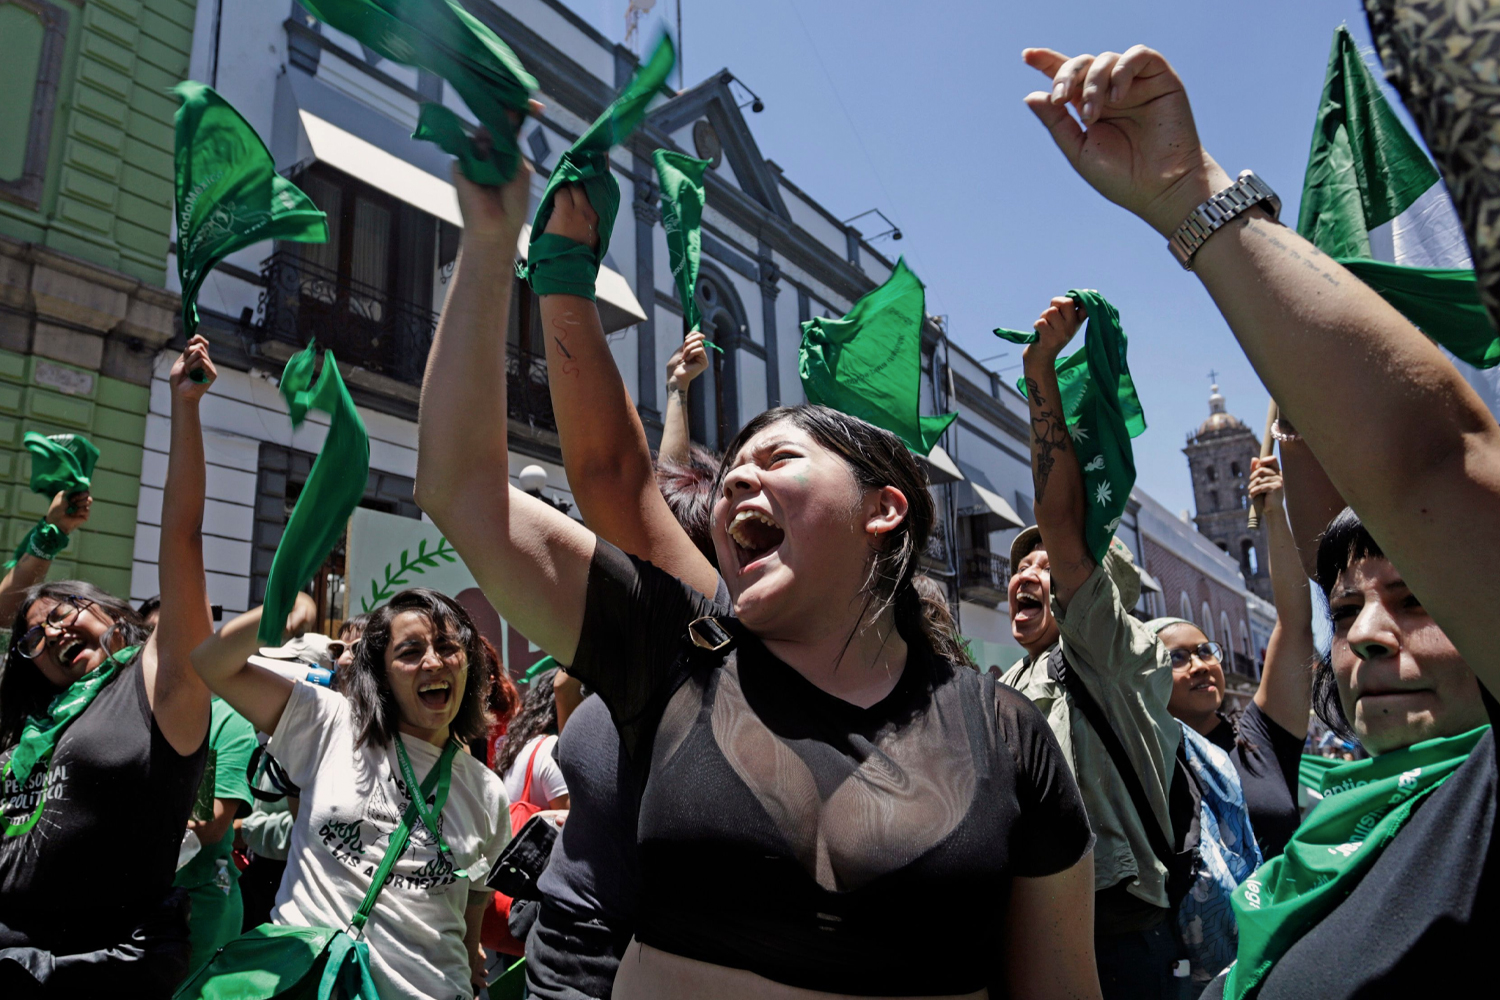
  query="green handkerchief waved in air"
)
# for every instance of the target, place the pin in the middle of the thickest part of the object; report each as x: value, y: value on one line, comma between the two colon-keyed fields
x: 334, y: 487
x: 556, y: 265
x: 1103, y: 414
x: 229, y: 195
x: 61, y: 463
x: 443, y: 38
x: 869, y: 364
x: 681, y: 178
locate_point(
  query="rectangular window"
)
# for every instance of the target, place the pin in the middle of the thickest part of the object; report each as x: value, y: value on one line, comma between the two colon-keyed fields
x: 33, y: 34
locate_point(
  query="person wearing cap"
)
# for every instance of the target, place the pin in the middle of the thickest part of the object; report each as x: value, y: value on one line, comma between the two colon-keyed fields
x: 1072, y: 614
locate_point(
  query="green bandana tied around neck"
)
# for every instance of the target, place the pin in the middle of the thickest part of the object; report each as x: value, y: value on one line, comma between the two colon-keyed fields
x: 556, y: 265
x: 40, y: 734
x: 1102, y: 412
x: 333, y: 489
x: 1365, y: 805
x: 61, y: 463
x: 869, y: 364
x: 681, y: 178
x: 229, y: 195
x: 443, y: 38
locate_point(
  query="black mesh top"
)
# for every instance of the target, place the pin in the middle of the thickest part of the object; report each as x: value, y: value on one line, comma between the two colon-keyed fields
x: 816, y: 843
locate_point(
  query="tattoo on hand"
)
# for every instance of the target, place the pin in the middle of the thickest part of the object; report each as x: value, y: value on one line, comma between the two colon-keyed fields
x: 1049, y: 437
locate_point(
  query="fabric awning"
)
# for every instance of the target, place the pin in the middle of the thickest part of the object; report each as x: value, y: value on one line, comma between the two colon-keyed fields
x: 991, y: 507
x: 1148, y: 582
x: 343, y: 150
x: 940, y: 468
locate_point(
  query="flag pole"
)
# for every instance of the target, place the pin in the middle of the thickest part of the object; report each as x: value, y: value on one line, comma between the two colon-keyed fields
x: 1267, y: 445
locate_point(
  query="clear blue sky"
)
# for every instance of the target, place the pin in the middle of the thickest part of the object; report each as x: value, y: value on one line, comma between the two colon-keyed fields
x: 915, y: 108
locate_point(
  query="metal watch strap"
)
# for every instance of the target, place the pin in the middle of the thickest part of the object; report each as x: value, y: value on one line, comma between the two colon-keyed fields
x: 1211, y: 216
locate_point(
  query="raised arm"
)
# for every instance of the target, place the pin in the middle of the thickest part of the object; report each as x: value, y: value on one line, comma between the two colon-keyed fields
x: 686, y: 363
x: 179, y: 701
x: 1311, y: 500
x: 1285, y: 692
x: 66, y: 513
x: 604, y: 447
x: 531, y: 561
x: 258, y: 694
x: 1060, y: 502
x: 1402, y: 436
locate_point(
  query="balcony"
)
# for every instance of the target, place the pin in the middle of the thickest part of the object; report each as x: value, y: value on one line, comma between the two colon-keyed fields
x: 935, y: 557
x: 370, y: 329
x: 982, y: 576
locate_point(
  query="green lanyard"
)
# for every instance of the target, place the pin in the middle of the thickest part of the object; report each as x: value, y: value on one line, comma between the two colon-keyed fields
x: 419, y: 797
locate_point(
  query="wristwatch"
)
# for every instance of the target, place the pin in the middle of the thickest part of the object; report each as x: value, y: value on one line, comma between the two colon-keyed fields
x: 1211, y: 216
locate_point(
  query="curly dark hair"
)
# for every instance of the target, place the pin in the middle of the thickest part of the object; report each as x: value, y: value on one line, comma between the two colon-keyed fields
x: 24, y: 689
x: 537, y: 717
x: 877, y: 458
x: 365, y: 684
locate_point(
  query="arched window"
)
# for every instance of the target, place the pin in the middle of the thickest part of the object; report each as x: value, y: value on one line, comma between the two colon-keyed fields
x: 1211, y: 472
x: 1234, y: 469
x: 1206, y: 621
x: 1226, y: 636
x: 713, y: 412
x: 1249, y: 559
x: 1245, y: 640
x: 1185, y: 607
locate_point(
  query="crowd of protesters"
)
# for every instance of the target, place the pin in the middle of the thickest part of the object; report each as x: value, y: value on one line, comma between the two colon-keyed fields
x: 762, y: 762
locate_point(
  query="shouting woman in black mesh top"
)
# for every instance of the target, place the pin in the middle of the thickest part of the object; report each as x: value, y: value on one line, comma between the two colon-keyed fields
x: 835, y: 803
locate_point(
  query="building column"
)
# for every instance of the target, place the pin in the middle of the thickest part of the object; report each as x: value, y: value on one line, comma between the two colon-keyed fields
x: 647, y: 215
x: 770, y: 287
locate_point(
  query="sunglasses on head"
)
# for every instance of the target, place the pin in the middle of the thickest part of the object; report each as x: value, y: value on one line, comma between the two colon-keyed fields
x: 63, y: 614
x: 1208, y: 652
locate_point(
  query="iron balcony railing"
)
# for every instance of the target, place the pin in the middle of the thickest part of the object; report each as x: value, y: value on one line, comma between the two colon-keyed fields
x: 983, y: 574
x: 368, y: 328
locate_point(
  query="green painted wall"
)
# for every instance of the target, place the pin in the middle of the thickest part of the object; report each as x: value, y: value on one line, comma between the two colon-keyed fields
x: 112, y: 414
x: 108, y: 196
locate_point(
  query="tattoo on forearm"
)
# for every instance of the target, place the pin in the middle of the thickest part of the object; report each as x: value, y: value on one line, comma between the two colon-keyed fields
x: 676, y: 394
x: 1049, y: 438
x: 560, y: 332
x: 1312, y: 260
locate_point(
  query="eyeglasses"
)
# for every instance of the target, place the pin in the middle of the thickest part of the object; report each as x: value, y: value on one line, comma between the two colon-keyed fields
x: 64, y: 613
x: 338, y: 647
x: 1208, y: 652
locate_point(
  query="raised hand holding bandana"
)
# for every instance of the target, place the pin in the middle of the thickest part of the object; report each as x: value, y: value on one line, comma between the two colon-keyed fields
x: 1103, y: 414
x: 333, y: 489
x: 557, y: 265
x: 869, y: 364
x: 61, y: 463
x: 229, y: 195
x: 443, y: 38
x: 681, y: 178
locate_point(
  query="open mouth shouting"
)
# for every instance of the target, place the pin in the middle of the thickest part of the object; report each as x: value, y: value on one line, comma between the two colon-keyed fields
x: 754, y: 536
x: 73, y: 653
x: 435, y: 695
x: 1028, y: 607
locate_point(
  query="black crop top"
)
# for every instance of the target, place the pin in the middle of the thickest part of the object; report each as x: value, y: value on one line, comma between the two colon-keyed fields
x: 821, y: 845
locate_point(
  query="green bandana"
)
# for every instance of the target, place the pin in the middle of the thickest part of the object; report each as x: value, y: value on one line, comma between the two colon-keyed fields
x: 1365, y: 804
x: 1103, y: 414
x: 869, y: 364
x: 333, y: 489
x: 556, y: 265
x: 681, y: 179
x: 61, y: 463
x: 544, y: 664
x: 40, y: 734
x: 228, y: 193
x: 443, y: 38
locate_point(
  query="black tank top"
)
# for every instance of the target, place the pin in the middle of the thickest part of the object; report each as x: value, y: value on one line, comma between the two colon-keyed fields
x: 102, y: 852
x: 819, y: 844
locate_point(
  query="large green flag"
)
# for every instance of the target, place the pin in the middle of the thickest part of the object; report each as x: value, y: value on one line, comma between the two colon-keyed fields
x: 333, y: 489
x: 681, y: 178
x: 229, y: 195
x: 869, y: 364
x: 443, y: 38
x: 1102, y: 411
x: 556, y: 265
x: 1373, y: 200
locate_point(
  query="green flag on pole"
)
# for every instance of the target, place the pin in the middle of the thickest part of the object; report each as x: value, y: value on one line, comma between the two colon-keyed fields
x: 1102, y: 411
x: 556, y: 265
x: 334, y: 487
x: 681, y: 178
x: 443, y: 38
x: 869, y: 364
x: 1373, y: 200
x: 229, y: 195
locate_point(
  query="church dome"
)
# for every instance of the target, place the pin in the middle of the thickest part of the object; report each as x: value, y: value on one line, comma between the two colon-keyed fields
x: 1219, y: 421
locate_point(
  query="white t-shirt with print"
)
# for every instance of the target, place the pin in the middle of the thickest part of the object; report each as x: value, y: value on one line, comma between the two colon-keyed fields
x: 352, y: 801
x: 547, y: 781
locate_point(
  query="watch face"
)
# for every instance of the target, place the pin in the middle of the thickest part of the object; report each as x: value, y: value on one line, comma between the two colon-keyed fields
x: 706, y: 143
